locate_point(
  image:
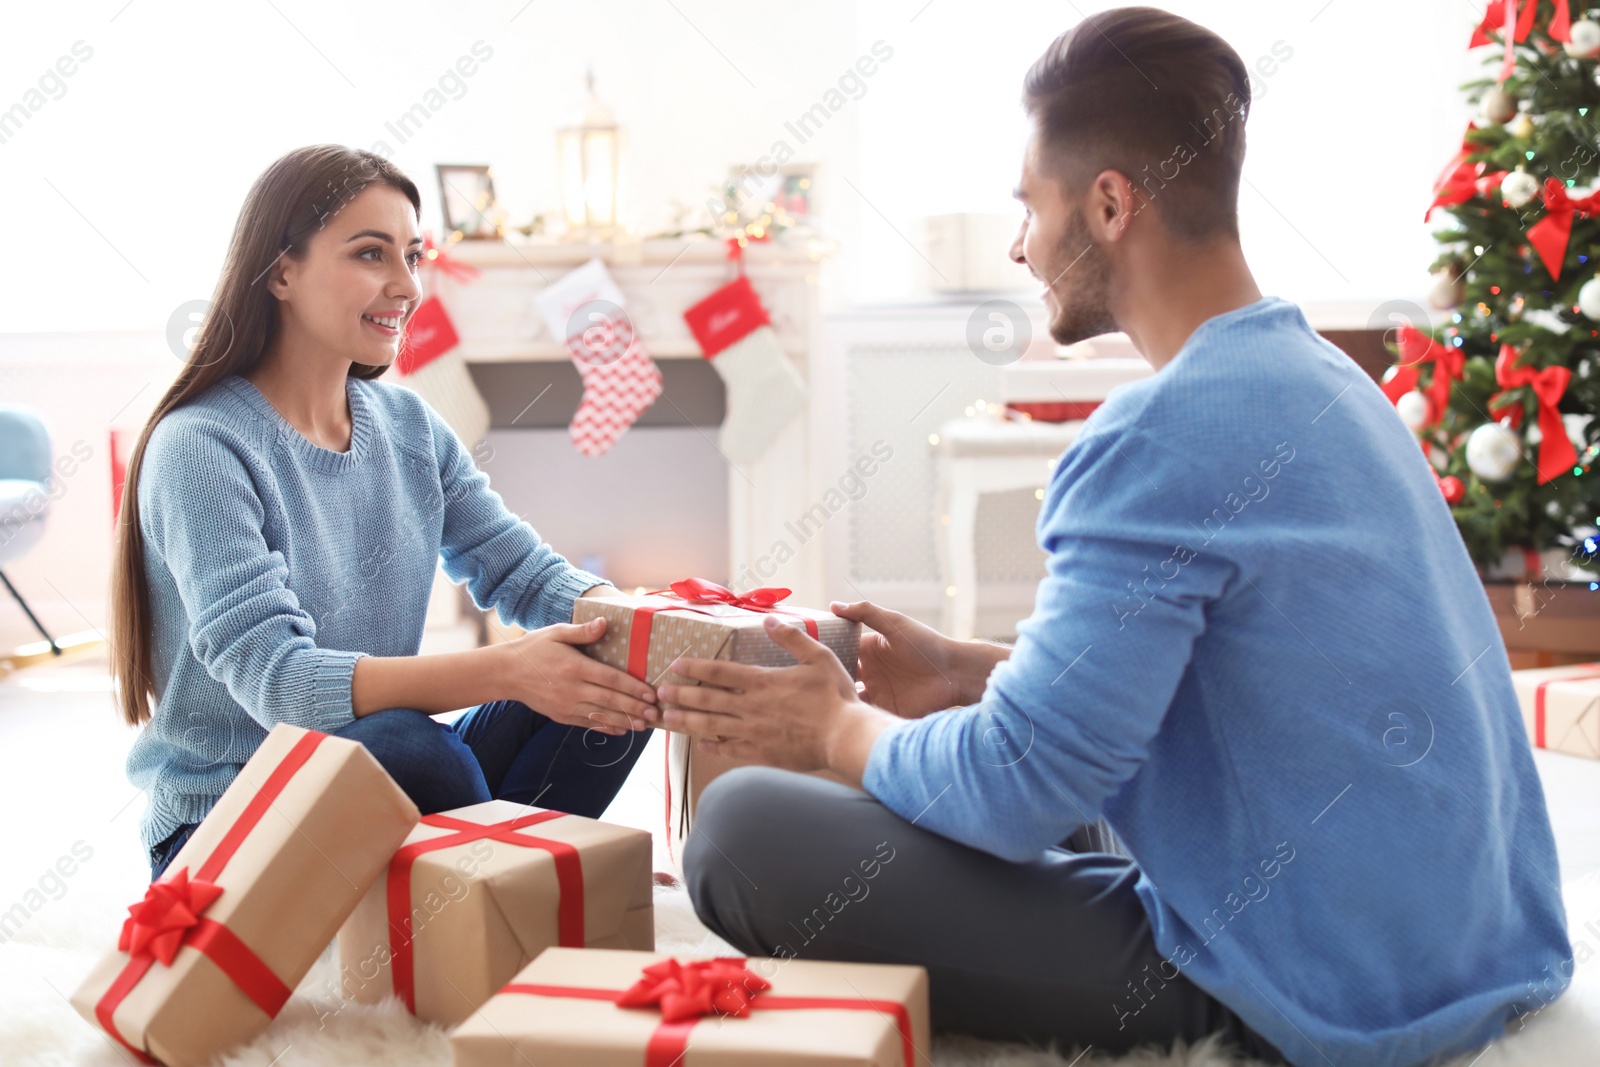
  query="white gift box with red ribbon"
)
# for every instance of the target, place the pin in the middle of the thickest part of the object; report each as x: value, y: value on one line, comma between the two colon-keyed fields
x: 1561, y: 707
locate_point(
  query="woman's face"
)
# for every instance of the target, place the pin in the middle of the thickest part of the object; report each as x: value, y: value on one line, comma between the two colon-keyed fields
x: 361, y: 266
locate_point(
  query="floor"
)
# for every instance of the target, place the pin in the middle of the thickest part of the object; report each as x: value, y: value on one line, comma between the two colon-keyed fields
x: 62, y: 784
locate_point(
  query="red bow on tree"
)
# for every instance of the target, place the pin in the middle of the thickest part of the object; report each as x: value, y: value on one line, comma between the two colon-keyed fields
x: 1514, y: 25
x: 692, y: 990
x: 1417, y: 348
x: 1550, y: 234
x: 1460, y: 181
x: 1556, y: 453
x: 158, y: 923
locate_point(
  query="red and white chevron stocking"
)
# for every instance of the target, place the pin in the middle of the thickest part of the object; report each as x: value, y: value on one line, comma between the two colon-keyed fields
x: 619, y: 381
x: 585, y: 309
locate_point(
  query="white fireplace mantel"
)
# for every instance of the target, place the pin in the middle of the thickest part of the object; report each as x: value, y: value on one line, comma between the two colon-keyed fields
x: 498, y: 320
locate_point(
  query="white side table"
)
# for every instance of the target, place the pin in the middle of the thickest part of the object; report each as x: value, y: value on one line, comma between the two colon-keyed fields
x: 977, y: 456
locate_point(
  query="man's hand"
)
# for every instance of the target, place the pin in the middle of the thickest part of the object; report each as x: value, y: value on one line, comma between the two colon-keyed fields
x: 801, y: 718
x: 911, y: 669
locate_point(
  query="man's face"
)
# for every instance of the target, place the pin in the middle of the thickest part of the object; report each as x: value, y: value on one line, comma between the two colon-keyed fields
x: 1054, y: 244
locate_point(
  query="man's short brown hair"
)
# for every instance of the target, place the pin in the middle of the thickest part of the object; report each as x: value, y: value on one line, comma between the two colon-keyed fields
x: 1155, y: 96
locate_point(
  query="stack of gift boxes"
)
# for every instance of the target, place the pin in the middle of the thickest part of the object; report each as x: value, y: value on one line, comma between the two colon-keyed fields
x: 529, y: 933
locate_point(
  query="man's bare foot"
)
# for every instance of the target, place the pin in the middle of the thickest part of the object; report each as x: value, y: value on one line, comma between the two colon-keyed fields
x: 666, y: 878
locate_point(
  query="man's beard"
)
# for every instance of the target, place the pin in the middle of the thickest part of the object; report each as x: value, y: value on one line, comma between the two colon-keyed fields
x: 1082, y: 303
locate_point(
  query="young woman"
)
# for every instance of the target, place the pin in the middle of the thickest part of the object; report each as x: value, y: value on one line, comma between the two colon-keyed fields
x: 282, y: 521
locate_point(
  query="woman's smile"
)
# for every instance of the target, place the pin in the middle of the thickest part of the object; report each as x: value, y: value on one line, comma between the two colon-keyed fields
x: 386, y: 323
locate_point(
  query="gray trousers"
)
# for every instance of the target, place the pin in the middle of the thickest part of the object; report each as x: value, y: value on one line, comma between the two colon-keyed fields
x: 1054, y: 951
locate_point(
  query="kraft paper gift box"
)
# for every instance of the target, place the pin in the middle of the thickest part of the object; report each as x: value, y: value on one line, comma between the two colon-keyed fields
x: 1561, y: 707
x: 476, y: 893
x: 602, y: 1008
x: 212, y: 952
x: 645, y: 633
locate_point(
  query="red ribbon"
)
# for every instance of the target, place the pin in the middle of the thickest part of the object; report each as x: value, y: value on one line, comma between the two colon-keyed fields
x: 1551, y: 234
x: 1417, y: 348
x: 687, y: 992
x: 1460, y: 180
x: 160, y: 924
x: 1591, y: 670
x: 435, y: 256
x: 699, y: 591
x: 569, y: 885
x: 1556, y: 452
x: 1513, y: 26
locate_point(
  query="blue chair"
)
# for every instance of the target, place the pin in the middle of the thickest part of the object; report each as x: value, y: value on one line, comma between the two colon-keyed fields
x: 24, y: 493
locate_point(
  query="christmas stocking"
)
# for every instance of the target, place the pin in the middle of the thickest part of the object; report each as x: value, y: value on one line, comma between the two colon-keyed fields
x: 764, y: 389
x: 584, y: 309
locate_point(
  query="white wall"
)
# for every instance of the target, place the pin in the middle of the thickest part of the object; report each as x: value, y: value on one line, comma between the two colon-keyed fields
x: 123, y: 191
x: 1343, y: 144
x: 122, y: 188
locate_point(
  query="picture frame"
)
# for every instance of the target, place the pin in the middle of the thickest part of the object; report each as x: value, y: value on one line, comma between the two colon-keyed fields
x: 796, y: 193
x: 789, y: 189
x: 467, y: 199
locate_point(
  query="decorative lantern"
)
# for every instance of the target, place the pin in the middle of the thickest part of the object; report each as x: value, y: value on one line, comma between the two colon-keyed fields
x: 588, y: 153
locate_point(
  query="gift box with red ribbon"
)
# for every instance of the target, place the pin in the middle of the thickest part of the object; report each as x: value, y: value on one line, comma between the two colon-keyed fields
x: 476, y: 893
x: 1561, y: 707
x: 609, y: 1009
x: 701, y: 619
x: 210, y: 955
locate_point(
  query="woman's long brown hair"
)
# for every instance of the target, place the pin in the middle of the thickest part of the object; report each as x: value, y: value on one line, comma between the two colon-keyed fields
x: 287, y: 205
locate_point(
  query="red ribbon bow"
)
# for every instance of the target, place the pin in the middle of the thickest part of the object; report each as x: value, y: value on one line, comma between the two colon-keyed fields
x: 1556, y: 453
x: 1550, y: 234
x: 1417, y: 348
x: 1514, y: 25
x: 434, y: 256
x: 157, y: 924
x: 1460, y: 180
x: 693, y: 990
x: 685, y: 993
x: 701, y: 591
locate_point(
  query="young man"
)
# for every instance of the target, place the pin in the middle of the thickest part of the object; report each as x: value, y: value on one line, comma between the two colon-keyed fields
x: 1261, y: 655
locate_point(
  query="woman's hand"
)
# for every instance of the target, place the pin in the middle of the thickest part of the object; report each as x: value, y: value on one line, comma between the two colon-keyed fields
x: 546, y: 671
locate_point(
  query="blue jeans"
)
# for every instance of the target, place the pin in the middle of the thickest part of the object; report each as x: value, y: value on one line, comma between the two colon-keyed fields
x: 503, y: 750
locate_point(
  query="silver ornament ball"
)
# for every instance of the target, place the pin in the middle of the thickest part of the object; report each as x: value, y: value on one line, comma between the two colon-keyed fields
x: 1498, y: 105
x: 1412, y: 408
x: 1589, y: 298
x: 1448, y: 289
x: 1583, y: 40
x: 1519, y: 187
x: 1493, y: 451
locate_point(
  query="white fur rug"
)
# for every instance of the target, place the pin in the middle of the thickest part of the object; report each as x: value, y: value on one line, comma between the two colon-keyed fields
x: 44, y: 962
x: 63, y: 712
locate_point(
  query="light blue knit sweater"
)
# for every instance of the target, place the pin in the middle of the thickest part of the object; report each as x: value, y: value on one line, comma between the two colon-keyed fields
x: 1263, y: 654
x: 274, y: 564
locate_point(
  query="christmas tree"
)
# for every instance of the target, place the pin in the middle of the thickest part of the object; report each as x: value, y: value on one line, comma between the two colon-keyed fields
x: 1503, y: 397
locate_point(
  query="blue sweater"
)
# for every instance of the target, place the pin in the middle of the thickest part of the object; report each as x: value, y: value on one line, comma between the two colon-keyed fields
x: 1263, y: 655
x: 274, y: 564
